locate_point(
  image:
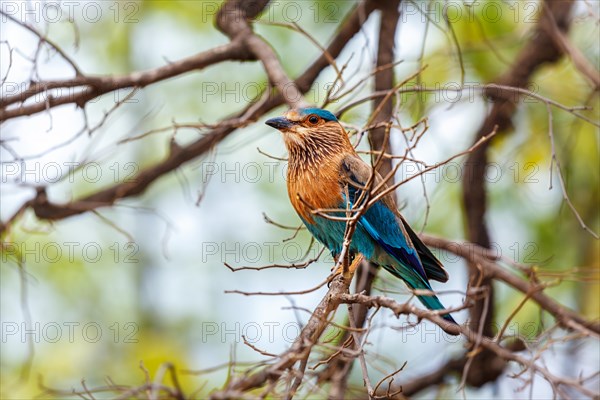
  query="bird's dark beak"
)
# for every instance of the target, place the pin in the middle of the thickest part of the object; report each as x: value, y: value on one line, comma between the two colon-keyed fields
x: 279, y: 123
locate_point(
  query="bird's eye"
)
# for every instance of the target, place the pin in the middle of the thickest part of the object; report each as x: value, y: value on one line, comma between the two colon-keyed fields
x: 313, y: 119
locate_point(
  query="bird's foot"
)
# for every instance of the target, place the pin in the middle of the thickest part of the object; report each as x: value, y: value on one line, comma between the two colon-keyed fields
x: 348, y: 272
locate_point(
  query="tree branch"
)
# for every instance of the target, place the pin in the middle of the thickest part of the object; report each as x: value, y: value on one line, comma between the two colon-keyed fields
x: 81, y: 89
x: 539, y: 50
x: 45, y: 209
x: 299, y: 350
x: 338, y: 370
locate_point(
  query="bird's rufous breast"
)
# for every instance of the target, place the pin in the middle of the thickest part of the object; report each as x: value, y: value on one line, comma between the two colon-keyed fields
x: 316, y: 187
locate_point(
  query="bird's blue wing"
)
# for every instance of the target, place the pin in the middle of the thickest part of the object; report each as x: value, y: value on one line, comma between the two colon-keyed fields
x: 389, y: 230
x: 433, y: 267
x: 379, y: 221
x: 382, y: 225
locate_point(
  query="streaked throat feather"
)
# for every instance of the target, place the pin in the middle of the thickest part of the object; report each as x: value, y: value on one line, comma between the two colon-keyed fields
x: 313, y: 169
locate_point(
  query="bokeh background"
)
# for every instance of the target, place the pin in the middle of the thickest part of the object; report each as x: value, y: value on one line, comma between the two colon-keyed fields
x: 145, y: 280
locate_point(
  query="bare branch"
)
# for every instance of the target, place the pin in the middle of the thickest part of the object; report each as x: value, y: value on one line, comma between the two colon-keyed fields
x: 81, y: 89
x: 44, y: 209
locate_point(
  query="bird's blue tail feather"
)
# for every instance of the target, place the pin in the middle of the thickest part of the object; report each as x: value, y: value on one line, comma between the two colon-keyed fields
x: 433, y: 303
x: 416, y: 282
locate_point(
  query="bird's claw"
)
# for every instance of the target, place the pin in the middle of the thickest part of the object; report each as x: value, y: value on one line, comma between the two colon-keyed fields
x: 347, y: 273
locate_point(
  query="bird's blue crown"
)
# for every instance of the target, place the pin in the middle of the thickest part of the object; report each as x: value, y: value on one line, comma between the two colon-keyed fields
x: 326, y: 115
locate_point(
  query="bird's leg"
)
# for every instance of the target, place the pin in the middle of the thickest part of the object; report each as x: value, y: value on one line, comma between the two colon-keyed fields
x: 347, y: 269
x: 356, y: 260
x: 347, y: 262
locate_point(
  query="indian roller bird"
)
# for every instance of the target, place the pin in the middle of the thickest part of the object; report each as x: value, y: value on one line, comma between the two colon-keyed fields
x: 326, y: 173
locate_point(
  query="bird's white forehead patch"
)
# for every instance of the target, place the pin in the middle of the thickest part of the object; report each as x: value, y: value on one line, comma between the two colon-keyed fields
x: 293, y: 115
